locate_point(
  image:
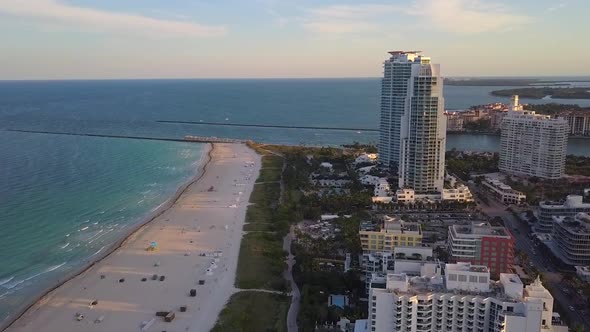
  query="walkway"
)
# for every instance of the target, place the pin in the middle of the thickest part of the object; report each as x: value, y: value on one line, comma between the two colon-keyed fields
x: 288, y: 275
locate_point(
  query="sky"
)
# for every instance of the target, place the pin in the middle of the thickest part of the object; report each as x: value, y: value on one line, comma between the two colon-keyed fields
x: 103, y: 39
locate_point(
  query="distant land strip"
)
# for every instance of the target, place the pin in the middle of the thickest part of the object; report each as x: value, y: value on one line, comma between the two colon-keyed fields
x: 195, y: 139
x: 264, y: 126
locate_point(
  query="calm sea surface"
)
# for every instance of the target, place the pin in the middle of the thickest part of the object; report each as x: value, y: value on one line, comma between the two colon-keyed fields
x: 64, y: 198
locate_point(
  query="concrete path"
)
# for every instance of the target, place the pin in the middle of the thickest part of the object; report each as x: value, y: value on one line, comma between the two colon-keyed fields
x: 295, y: 294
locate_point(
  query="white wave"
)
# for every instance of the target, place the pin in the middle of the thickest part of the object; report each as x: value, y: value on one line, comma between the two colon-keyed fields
x: 18, y: 282
x: 95, y: 235
x: 95, y: 223
x: 83, y: 229
x: 100, y: 235
x: 157, y: 207
x: 99, y: 250
x: 65, y: 245
x: 85, y: 221
x: 67, y: 235
x: 6, y: 280
x: 141, y: 201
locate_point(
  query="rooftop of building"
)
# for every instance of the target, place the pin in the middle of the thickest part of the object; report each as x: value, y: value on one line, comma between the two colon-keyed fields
x: 508, y: 288
x: 403, y: 52
x: 501, y: 186
x: 571, y: 201
x: 479, y: 229
x: 466, y: 267
x: 580, y: 224
x: 391, y: 225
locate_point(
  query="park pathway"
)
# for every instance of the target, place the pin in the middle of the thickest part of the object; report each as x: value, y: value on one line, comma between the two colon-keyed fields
x: 288, y: 275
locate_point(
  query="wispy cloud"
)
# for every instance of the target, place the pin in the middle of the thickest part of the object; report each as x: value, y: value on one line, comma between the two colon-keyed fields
x: 456, y: 16
x: 56, y: 11
x: 339, y: 19
x: 556, y: 7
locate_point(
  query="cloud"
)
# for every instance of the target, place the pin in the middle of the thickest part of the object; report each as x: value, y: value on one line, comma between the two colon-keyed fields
x: 340, y: 19
x: 468, y: 16
x: 55, y: 11
x: 455, y: 16
x: 557, y: 7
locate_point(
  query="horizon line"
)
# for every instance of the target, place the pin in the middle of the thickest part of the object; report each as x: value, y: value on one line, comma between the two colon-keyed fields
x: 277, y: 78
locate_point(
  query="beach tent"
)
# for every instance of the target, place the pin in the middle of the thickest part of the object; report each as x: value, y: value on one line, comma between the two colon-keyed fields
x: 153, y: 246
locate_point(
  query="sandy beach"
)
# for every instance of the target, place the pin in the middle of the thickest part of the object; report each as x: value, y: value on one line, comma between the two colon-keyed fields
x: 197, y: 240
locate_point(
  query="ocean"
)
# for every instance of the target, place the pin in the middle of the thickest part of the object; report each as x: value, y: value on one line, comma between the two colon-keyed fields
x: 64, y: 199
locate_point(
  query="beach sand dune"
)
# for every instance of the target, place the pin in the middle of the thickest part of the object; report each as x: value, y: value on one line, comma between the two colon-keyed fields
x: 207, y: 219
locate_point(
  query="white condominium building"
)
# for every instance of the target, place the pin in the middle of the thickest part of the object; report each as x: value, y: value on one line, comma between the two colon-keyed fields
x: 571, y: 239
x: 412, y: 124
x: 464, y: 299
x: 572, y: 205
x: 533, y: 144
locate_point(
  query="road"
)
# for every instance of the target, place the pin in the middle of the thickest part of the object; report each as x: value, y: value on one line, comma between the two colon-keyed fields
x: 562, y: 293
x: 295, y: 294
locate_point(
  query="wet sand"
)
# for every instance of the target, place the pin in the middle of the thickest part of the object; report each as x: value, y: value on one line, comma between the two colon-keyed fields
x: 198, y: 239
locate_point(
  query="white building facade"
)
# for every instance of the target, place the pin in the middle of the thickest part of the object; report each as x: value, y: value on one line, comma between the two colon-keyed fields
x: 573, y: 205
x: 464, y: 300
x: 412, y: 124
x: 504, y: 192
x: 533, y: 144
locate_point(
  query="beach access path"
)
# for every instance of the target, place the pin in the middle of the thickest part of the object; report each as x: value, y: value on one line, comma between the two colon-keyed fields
x: 206, y: 219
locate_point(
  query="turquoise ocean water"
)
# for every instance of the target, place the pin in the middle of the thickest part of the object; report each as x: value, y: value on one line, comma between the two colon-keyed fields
x: 63, y: 199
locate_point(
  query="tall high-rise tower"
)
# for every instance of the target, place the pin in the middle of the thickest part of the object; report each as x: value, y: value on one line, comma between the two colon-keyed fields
x: 413, y: 125
x: 532, y: 144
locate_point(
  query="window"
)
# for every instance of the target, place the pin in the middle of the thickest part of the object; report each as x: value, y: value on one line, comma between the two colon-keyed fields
x: 462, y: 277
x: 452, y: 277
x: 472, y: 278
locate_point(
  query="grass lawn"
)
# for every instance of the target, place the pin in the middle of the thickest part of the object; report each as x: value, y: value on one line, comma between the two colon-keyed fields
x: 258, y: 214
x: 258, y: 227
x: 265, y: 194
x: 261, y: 262
x: 269, y: 175
x: 254, y: 311
x: 269, y: 161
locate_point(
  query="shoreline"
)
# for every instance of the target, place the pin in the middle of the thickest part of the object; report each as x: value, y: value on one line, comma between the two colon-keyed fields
x: 171, y: 202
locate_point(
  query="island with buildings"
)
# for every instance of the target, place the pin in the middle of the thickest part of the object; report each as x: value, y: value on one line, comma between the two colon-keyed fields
x: 542, y: 92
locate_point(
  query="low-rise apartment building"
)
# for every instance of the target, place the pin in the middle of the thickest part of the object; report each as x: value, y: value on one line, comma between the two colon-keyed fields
x: 454, y: 121
x: 504, y: 192
x: 379, y: 241
x: 482, y: 244
x: 388, y: 234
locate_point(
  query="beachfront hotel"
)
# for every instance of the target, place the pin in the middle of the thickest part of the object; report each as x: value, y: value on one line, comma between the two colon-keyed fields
x: 532, y: 144
x: 463, y: 299
x: 412, y: 130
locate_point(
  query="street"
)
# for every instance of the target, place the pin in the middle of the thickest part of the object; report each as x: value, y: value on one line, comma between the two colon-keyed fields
x: 562, y: 293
